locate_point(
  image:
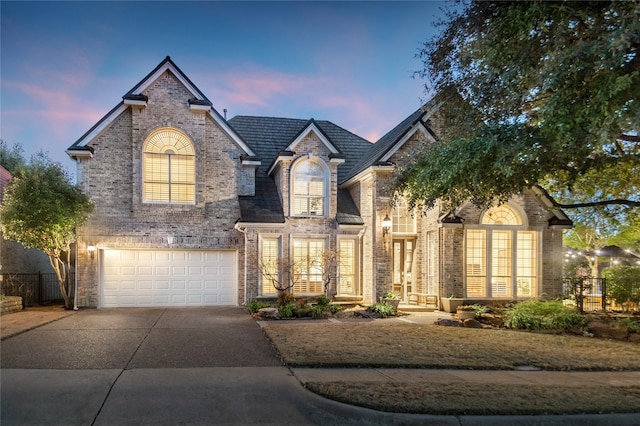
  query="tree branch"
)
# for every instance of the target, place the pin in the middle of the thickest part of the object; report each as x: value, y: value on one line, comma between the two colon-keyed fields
x: 628, y: 203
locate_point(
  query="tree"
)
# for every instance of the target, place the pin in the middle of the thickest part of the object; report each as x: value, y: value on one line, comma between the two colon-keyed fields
x: 284, y: 273
x: 42, y: 209
x: 11, y: 158
x: 533, y: 93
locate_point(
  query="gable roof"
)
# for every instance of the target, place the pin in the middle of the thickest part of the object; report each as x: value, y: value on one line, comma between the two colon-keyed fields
x: 380, y: 151
x: 135, y: 97
x: 268, y: 136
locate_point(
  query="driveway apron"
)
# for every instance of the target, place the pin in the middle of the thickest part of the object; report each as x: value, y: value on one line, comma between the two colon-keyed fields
x: 164, y: 366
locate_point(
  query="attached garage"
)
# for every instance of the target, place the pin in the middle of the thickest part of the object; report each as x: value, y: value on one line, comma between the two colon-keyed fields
x: 133, y: 278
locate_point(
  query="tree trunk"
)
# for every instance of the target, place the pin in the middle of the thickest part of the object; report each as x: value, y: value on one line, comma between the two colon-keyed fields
x: 62, y: 274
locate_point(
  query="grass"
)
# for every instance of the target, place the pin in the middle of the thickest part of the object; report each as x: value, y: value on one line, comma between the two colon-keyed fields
x: 488, y: 399
x: 390, y: 344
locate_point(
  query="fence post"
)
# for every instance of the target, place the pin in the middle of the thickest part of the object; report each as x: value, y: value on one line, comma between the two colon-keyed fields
x: 40, y: 287
x: 603, y: 284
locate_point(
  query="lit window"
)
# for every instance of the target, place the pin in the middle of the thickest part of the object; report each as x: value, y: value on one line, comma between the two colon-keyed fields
x: 168, y: 161
x: 309, y: 189
x: 501, y: 260
x: 404, y: 221
x: 308, y: 266
x: 347, y: 264
x: 269, y: 265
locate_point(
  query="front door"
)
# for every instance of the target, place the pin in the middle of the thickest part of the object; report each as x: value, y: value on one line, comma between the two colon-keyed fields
x: 403, y: 267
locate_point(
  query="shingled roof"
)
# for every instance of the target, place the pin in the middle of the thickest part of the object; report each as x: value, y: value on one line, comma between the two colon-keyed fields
x: 378, y: 150
x: 267, y: 136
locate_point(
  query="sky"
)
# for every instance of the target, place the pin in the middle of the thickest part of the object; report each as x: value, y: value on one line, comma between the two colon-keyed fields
x: 64, y: 65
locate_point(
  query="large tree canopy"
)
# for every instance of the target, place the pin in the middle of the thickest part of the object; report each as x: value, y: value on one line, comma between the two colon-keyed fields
x: 533, y: 93
x: 41, y: 209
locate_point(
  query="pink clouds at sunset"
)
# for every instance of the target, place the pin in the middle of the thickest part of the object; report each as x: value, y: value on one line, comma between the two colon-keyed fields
x: 64, y: 65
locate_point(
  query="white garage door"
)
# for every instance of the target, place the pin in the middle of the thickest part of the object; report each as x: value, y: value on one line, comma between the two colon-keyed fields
x: 168, y: 278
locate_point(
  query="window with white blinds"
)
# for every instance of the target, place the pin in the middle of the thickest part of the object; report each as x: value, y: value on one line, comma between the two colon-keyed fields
x: 168, y: 163
x: 501, y: 258
x: 269, y: 261
x: 309, y: 189
x: 307, y: 258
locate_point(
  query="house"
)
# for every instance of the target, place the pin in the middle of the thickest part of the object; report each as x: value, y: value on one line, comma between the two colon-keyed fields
x: 187, y: 205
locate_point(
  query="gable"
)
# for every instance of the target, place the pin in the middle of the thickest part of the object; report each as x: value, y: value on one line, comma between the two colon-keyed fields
x: 269, y: 137
x: 135, y: 98
x: 380, y: 153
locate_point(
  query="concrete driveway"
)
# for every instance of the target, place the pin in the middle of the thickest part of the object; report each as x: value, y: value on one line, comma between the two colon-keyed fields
x: 188, y: 366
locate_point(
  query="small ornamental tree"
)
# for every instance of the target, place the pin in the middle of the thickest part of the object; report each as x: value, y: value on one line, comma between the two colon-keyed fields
x: 623, y: 285
x: 42, y: 209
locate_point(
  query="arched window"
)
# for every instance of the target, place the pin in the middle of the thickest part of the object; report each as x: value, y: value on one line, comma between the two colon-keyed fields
x: 309, y: 193
x: 501, y: 215
x: 168, y: 168
x: 502, y: 256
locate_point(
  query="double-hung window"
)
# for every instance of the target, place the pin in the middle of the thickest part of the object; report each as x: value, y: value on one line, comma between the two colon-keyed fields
x: 168, y: 168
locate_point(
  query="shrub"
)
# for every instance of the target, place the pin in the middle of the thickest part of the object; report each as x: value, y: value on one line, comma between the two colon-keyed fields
x: 323, y: 300
x: 286, y: 310
x: 543, y: 315
x: 319, y: 311
x: 383, y: 309
x: 254, y: 306
x: 623, y: 284
x: 632, y: 324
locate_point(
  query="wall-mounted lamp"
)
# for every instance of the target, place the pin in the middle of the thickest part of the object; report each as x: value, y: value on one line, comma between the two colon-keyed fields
x: 92, y: 249
x: 386, y: 225
x: 170, y: 239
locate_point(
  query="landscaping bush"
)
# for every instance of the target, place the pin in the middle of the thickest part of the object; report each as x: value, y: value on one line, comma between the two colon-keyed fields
x: 383, y: 309
x: 623, y: 284
x: 543, y: 315
x: 286, y: 310
x: 254, y: 306
x: 632, y: 324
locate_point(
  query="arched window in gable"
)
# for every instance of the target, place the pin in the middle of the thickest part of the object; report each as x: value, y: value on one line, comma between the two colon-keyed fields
x: 168, y: 168
x: 309, y: 188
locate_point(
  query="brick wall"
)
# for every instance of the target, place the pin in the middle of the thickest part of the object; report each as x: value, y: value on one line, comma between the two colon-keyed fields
x: 113, y: 179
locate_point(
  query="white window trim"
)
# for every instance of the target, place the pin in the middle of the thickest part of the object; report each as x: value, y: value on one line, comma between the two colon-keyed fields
x: 326, y: 186
x: 261, y: 238
x: 514, y: 229
x: 356, y: 264
x: 144, y: 166
x: 292, y: 240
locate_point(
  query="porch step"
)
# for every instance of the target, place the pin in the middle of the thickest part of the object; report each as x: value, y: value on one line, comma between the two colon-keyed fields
x: 416, y: 308
x: 345, y: 300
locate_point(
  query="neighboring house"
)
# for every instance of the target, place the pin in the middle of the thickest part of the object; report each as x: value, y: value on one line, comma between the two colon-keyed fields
x: 187, y: 204
x: 14, y: 258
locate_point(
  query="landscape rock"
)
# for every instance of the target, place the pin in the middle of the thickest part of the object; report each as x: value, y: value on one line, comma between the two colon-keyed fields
x: 447, y: 322
x: 614, y: 331
x: 472, y: 323
x: 268, y: 313
x: 634, y: 337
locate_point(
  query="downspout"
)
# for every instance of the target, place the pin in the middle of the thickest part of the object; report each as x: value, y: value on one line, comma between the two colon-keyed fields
x: 239, y: 228
x: 361, y: 259
x: 75, y: 277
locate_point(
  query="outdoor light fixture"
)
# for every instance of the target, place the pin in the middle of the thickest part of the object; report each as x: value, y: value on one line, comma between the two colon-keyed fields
x: 170, y: 239
x: 92, y: 249
x: 386, y: 225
